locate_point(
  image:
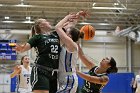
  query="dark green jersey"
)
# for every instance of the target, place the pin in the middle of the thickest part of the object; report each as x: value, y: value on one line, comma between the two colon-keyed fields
x: 92, y: 87
x: 47, y: 48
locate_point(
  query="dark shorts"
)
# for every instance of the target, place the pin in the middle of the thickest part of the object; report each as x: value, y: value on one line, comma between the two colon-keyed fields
x: 43, y: 80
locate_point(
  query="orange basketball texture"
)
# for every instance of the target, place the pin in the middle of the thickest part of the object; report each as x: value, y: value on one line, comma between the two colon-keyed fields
x: 89, y: 32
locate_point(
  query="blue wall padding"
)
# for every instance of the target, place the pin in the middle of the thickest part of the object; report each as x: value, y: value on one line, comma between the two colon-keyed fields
x: 118, y: 83
x: 13, y: 84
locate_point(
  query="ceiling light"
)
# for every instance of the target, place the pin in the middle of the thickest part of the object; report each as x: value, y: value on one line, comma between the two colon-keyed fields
x: 116, y: 3
x: 28, y: 17
x: 103, y: 24
x: 109, y: 8
x: 93, y: 4
x: 20, y: 5
x: 8, y: 21
x: 85, y: 23
x: 6, y: 17
x: 101, y: 33
x: 30, y: 22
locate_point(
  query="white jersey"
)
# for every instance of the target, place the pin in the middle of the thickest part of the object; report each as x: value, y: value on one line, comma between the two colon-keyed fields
x: 138, y: 83
x: 68, y: 80
x: 67, y: 61
x: 24, y: 85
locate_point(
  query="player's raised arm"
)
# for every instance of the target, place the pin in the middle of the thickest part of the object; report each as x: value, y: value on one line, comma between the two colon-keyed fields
x: 89, y: 64
x: 71, y: 46
x: 94, y: 79
x: 17, y: 71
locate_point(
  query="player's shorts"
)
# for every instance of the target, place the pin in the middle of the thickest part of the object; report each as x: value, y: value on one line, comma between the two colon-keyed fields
x: 43, y: 80
x: 68, y: 82
x: 23, y: 90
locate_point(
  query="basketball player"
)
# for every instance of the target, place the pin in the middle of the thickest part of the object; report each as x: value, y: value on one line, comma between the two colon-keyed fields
x: 23, y: 72
x: 137, y: 83
x: 68, y: 80
x: 97, y: 78
x: 47, y: 45
x: 48, y: 52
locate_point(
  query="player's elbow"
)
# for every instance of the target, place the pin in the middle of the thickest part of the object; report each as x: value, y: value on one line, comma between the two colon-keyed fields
x: 104, y: 80
x: 71, y: 49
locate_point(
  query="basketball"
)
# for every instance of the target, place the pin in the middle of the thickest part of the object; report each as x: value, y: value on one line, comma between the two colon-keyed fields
x: 89, y: 32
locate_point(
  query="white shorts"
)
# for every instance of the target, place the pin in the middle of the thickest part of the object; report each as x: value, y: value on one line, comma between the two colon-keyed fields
x: 67, y: 82
x: 22, y: 90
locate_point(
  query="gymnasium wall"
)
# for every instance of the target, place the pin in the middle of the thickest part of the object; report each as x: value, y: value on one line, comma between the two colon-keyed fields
x: 135, y: 57
x: 97, y: 48
x: 101, y: 46
x: 117, y: 47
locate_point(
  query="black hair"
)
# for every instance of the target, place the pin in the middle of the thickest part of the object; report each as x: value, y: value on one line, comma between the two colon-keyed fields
x: 22, y: 59
x: 113, y: 68
x: 76, y: 34
x: 33, y: 31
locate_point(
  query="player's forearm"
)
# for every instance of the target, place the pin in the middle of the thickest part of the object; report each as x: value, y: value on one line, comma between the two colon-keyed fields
x: 24, y: 48
x: 70, y: 45
x: 61, y: 23
x: 12, y: 75
x: 86, y: 77
x: 89, y: 64
x: 86, y: 61
x: 93, y: 79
